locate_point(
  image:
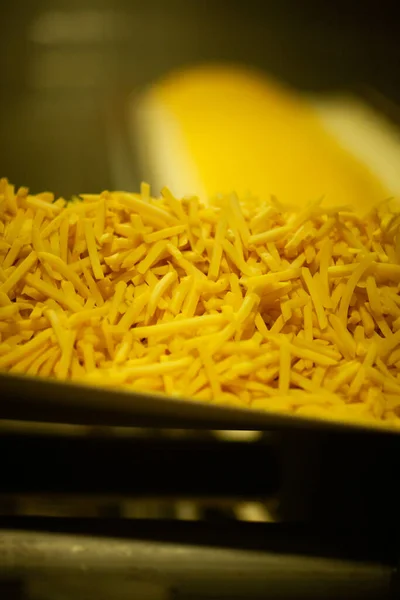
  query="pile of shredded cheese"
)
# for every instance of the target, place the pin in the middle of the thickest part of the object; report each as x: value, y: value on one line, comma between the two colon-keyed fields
x: 246, y: 303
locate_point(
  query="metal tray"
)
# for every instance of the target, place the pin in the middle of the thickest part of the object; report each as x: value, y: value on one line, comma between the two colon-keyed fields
x: 48, y: 89
x: 45, y: 400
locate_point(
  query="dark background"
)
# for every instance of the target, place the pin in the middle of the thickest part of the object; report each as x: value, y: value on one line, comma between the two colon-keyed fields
x: 67, y: 68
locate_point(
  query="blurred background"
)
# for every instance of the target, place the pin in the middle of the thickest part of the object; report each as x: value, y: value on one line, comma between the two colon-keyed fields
x: 68, y: 66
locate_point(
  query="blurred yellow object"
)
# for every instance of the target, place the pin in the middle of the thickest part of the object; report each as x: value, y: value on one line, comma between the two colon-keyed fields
x: 215, y: 129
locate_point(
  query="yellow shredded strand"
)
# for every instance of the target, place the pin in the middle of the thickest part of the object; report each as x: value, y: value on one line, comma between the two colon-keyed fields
x: 93, y: 254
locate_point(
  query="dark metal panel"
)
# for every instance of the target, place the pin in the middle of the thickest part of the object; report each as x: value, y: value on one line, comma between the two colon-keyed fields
x: 36, y: 399
x: 139, y: 467
x: 187, y: 569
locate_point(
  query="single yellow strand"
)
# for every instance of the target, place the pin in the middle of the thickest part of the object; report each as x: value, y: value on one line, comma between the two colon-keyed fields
x: 80, y: 264
x: 13, y: 253
x: 341, y: 270
x: 23, y: 365
x: 312, y: 355
x: 187, y: 266
x: 233, y: 255
x: 180, y: 294
x: 278, y: 325
x: 344, y: 339
x: 345, y: 375
x: 191, y: 301
x: 100, y: 219
x: 319, y: 309
x: 318, y: 348
x: 38, y: 219
x: 66, y: 355
x: 15, y: 227
x: 19, y: 273
x: 134, y: 311
x: 70, y: 291
x: 159, y: 290
x: 383, y: 326
x: 323, y: 291
x: 22, y: 351
x: 273, y: 235
x: 262, y: 216
x: 92, y: 250
x: 363, y: 266
x: 64, y: 240
x: 164, y: 234
x: 30, y: 325
x: 318, y: 376
x: 88, y: 357
x: 55, y: 243
x: 4, y: 246
x: 358, y: 380
x: 284, y: 367
x: 215, y: 263
x: 179, y: 326
x: 373, y: 296
x: 4, y: 299
x: 155, y: 369
x: 10, y: 198
x: 240, y: 222
x: 394, y: 358
x: 248, y: 306
x: 48, y: 366
x: 381, y: 379
x: 61, y: 267
x: 133, y: 257
x: 272, y: 249
x: 301, y: 381
x: 105, y: 327
x: 56, y: 325
x: 49, y: 208
x: 305, y: 214
x: 261, y: 326
x: 119, y: 293
x: 42, y: 357
x: 124, y: 349
x: 8, y: 311
x: 153, y: 256
x: 271, y: 278
x: 93, y: 287
x: 52, y: 292
x: 211, y: 373
x: 146, y: 210
x: 389, y: 344
x: 248, y: 347
x: 52, y: 226
x: 85, y: 315
x: 387, y: 271
x: 367, y: 321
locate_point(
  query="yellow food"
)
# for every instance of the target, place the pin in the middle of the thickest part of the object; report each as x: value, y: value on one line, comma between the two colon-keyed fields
x: 217, y: 128
x: 242, y: 303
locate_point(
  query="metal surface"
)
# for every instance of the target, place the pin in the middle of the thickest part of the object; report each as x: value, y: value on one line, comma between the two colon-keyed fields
x: 36, y: 399
x: 152, y: 467
x: 187, y: 563
x: 317, y: 476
